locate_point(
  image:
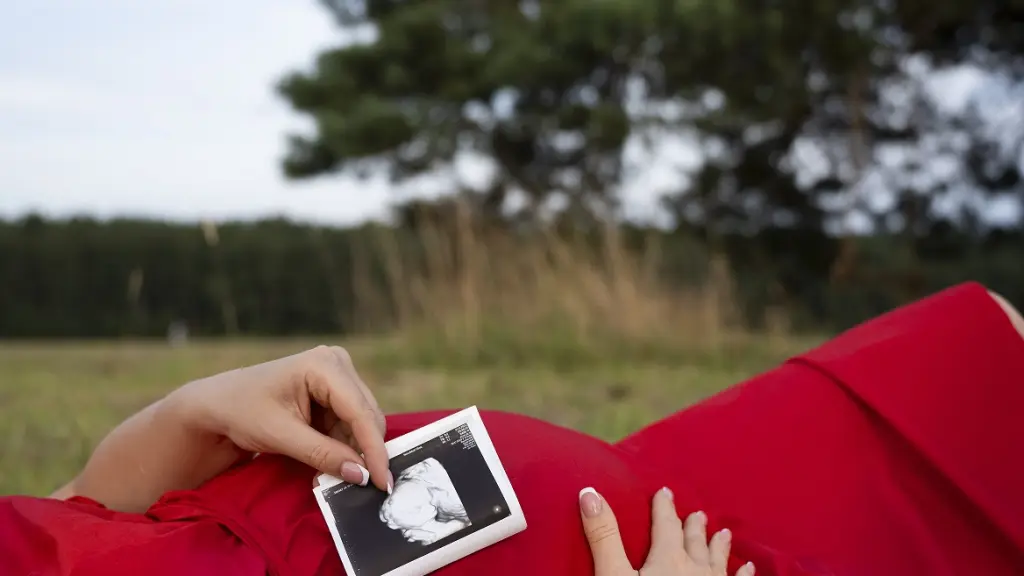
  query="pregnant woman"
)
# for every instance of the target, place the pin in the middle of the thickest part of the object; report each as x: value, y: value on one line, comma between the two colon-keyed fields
x: 894, y: 449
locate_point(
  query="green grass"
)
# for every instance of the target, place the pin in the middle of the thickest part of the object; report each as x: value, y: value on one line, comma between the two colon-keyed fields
x: 58, y: 400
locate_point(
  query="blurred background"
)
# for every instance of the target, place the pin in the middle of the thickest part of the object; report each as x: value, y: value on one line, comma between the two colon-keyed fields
x: 595, y: 212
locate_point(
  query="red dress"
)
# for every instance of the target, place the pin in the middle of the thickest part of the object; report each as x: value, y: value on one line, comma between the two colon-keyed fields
x: 894, y: 449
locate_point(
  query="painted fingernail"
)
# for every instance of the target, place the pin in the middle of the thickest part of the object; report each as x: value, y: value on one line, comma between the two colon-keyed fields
x: 590, y: 502
x: 355, y: 474
x: 668, y: 492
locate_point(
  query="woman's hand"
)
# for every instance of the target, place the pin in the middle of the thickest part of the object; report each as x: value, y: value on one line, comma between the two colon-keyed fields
x: 676, y: 549
x: 312, y: 407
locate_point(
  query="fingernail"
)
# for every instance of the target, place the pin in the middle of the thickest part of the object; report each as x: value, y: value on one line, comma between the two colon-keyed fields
x: 702, y: 517
x: 391, y: 482
x: 590, y: 502
x: 750, y: 568
x: 726, y: 534
x: 355, y: 474
x: 668, y: 492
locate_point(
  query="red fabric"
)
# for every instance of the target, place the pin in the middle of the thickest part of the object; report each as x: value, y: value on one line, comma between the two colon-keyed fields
x: 891, y: 450
x: 896, y: 448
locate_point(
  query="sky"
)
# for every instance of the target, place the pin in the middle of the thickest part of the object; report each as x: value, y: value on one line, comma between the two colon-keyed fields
x: 160, y: 109
x: 167, y: 110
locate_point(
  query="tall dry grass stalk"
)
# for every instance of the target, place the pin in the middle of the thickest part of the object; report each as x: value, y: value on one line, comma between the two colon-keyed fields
x: 470, y: 288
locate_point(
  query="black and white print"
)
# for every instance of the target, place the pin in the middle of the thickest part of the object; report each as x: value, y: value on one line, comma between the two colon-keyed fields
x: 424, y: 506
x: 444, y: 491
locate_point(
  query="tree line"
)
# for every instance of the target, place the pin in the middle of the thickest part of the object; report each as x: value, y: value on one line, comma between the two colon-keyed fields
x: 131, y: 278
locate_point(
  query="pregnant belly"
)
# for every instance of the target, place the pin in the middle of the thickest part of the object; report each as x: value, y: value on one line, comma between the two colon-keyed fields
x: 548, y: 465
x: 268, y: 504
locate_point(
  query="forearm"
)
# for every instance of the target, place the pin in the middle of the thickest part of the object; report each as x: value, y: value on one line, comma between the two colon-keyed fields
x: 157, y: 450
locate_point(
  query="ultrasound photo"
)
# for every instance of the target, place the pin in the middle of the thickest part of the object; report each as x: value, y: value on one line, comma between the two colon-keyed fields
x: 443, y: 491
x: 424, y: 505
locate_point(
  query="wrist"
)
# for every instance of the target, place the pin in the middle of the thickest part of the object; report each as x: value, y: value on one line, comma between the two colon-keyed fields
x: 201, y: 408
x: 191, y: 409
x: 194, y: 412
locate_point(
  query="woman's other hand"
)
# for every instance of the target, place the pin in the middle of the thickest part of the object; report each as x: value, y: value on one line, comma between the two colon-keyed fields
x: 676, y: 549
x: 312, y: 407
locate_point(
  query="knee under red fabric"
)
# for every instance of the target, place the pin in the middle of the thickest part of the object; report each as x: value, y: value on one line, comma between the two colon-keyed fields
x: 890, y: 450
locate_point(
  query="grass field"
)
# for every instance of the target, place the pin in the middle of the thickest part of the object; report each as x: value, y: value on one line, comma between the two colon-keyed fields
x: 58, y: 400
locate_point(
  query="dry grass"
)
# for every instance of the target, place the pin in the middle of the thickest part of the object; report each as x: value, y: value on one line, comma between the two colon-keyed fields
x: 468, y: 293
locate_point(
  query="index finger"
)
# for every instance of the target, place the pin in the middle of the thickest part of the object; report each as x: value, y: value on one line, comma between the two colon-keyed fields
x: 332, y: 386
x: 346, y: 363
x: 666, y: 527
x: 602, y: 530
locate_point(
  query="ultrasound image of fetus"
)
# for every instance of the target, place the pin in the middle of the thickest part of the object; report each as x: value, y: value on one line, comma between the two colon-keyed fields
x: 424, y: 505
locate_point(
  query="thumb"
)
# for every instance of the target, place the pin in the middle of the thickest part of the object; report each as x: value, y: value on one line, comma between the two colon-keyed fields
x: 299, y: 441
x: 602, y: 532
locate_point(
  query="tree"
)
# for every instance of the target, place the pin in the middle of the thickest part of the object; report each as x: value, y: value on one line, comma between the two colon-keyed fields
x: 538, y: 90
x: 843, y: 84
